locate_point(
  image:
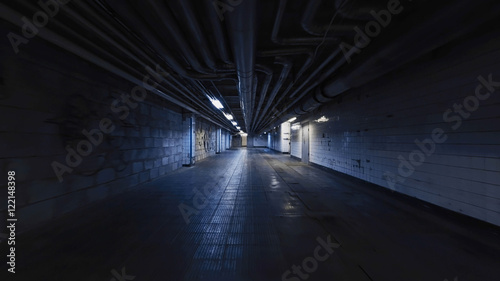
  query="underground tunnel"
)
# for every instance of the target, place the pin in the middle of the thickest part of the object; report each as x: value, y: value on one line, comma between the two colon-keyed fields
x: 250, y: 140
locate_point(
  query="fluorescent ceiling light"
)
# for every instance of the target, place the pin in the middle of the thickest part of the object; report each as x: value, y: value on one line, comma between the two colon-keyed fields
x: 216, y: 103
x: 322, y: 119
x: 291, y: 119
x: 228, y: 116
x: 238, y: 127
x: 234, y: 123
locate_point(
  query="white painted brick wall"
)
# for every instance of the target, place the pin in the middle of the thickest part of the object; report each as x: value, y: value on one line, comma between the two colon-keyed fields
x: 375, y: 124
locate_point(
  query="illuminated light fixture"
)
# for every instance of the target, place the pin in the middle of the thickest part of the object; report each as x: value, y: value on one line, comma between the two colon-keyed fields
x: 234, y: 123
x: 291, y: 119
x: 243, y: 134
x: 295, y: 126
x: 265, y: 133
x: 228, y: 116
x: 238, y: 127
x: 216, y: 103
x: 322, y: 119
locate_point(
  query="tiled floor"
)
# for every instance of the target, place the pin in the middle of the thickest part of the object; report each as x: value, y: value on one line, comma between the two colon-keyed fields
x: 266, y: 214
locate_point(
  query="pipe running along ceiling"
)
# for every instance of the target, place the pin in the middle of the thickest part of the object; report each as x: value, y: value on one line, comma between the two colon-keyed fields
x: 264, y: 61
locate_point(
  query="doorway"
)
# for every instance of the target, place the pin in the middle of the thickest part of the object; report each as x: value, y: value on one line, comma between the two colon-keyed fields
x: 244, y: 140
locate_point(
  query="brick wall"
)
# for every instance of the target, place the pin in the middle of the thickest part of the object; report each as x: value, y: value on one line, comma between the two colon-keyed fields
x: 205, y: 139
x: 47, y: 99
x: 372, y: 134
